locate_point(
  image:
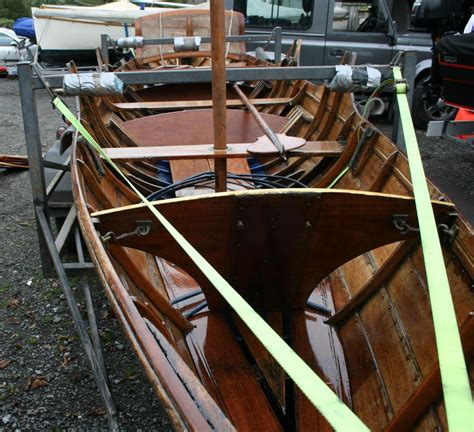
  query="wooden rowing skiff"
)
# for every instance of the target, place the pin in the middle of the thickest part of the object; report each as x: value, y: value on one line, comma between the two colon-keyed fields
x: 332, y: 263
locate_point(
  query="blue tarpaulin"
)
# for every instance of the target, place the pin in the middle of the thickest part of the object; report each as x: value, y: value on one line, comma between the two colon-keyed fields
x: 24, y: 27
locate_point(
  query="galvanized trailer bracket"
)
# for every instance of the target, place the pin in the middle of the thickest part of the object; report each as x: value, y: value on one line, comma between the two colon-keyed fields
x: 450, y: 128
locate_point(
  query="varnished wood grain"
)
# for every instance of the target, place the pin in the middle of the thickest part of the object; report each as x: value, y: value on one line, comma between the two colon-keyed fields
x: 195, y: 127
x: 176, y: 105
x: 387, y: 339
x: 379, y: 278
x: 429, y: 391
x: 295, y: 263
x: 205, y: 151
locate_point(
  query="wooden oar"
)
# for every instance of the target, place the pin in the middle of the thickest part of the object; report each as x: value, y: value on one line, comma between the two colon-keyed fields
x: 261, y: 122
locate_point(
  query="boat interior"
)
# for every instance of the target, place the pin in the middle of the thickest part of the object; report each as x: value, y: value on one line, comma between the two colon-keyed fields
x: 322, y: 244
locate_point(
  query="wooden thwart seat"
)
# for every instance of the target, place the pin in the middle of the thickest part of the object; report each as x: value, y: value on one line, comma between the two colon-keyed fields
x: 206, y: 151
x: 174, y: 105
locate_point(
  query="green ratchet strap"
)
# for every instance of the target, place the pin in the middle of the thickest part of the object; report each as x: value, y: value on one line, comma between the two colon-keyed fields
x: 321, y: 396
x: 340, y: 175
x: 454, y: 377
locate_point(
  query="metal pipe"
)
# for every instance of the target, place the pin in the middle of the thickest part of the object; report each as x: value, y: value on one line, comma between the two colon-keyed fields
x: 99, y: 373
x: 313, y: 73
x: 35, y: 156
x: 277, y: 46
x: 217, y: 11
x: 206, y: 40
x: 90, y: 305
x: 267, y: 130
x: 104, y: 48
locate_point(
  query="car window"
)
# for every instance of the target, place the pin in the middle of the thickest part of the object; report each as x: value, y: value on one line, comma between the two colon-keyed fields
x: 358, y: 16
x: 5, y: 40
x: 271, y: 13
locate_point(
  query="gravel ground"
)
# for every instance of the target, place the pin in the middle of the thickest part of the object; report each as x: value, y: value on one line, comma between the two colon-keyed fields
x: 449, y: 164
x: 45, y: 380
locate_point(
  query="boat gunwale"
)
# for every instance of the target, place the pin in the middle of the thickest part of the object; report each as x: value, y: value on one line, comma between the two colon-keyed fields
x: 135, y: 324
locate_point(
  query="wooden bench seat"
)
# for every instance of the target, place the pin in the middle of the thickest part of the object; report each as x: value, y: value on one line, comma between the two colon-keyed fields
x: 205, y: 151
x: 174, y: 105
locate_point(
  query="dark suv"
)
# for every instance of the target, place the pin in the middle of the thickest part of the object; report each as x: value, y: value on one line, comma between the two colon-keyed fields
x: 375, y: 29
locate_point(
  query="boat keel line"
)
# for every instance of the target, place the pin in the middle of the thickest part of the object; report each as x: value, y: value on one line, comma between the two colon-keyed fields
x: 339, y: 415
x: 454, y: 377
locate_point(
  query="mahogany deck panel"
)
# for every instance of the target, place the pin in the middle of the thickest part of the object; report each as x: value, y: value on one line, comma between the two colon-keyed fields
x: 322, y: 218
x: 195, y: 127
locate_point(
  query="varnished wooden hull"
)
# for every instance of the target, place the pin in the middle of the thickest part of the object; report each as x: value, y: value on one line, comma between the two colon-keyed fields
x: 371, y: 339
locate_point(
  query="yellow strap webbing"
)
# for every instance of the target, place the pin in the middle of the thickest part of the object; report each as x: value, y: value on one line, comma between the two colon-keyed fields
x: 457, y: 392
x: 321, y: 396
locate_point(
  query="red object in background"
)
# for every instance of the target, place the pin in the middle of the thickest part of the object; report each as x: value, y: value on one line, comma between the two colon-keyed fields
x: 465, y: 115
x: 3, y: 70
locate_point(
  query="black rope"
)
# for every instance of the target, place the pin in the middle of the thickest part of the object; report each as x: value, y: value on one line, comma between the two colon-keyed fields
x: 262, y: 181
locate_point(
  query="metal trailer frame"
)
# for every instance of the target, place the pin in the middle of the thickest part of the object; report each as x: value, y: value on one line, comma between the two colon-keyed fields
x: 274, y: 37
x: 51, y: 246
x: 451, y: 128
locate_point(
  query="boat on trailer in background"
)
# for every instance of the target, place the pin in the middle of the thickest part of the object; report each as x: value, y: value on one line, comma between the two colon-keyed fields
x: 69, y: 32
x: 319, y: 239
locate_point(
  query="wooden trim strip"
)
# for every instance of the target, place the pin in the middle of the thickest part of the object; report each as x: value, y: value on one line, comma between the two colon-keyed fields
x: 319, y: 113
x: 149, y: 290
x: 337, y: 168
x: 366, y: 153
x: 379, y: 278
x: 332, y: 116
x: 346, y: 127
x: 385, y: 170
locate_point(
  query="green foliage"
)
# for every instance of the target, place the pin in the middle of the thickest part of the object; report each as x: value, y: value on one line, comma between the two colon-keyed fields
x: 12, y: 9
x: 6, y: 22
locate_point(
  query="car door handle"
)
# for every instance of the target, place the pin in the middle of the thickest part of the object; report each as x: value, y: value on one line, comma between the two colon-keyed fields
x: 336, y: 53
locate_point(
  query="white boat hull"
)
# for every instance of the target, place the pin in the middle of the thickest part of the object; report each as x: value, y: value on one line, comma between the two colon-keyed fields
x: 74, y: 33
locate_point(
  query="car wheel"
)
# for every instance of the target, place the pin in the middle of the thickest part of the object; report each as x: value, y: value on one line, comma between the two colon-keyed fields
x: 423, y: 112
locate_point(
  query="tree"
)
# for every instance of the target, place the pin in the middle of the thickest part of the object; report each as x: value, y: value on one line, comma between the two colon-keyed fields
x: 13, y: 9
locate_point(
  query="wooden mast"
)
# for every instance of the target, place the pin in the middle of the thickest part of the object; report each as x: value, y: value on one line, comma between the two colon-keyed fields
x: 219, y: 89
